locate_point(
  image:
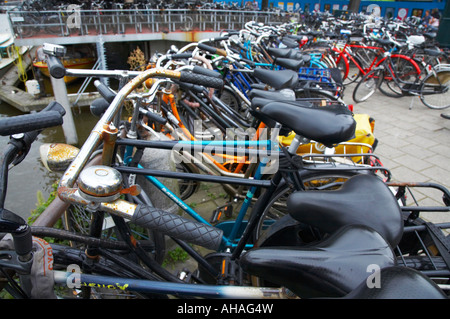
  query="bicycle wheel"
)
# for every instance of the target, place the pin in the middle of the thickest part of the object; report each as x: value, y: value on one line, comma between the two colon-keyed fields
x: 277, y: 207
x: 435, y: 90
x: 354, y: 73
x: 342, y: 64
x: 404, y: 70
x: 367, y: 86
x: 187, y: 187
x: 314, y: 94
x: 230, y: 98
x: 77, y: 219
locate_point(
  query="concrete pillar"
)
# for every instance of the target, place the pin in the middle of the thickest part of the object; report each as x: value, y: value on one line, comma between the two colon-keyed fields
x: 60, y: 94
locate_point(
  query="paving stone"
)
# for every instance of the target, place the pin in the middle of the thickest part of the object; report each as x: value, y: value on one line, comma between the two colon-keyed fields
x: 412, y: 161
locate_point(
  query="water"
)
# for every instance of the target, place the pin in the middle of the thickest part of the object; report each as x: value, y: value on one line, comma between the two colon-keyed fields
x: 30, y: 176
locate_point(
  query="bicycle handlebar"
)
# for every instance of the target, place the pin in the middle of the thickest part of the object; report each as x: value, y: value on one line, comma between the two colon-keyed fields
x: 52, y: 115
x: 178, y: 227
x: 104, y: 91
x: 211, y: 49
x: 201, y: 79
x: 55, y: 67
x: 29, y: 124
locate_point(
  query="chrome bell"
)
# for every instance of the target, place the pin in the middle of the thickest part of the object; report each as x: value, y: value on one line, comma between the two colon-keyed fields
x: 100, y: 183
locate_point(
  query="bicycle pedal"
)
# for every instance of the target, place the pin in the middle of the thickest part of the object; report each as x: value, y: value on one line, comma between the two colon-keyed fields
x: 225, y: 210
x: 230, y: 272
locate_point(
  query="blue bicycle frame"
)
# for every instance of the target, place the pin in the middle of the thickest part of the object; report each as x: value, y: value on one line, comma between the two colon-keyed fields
x: 231, y: 235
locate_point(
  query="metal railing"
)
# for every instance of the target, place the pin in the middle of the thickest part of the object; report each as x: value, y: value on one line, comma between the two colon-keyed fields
x: 26, y: 24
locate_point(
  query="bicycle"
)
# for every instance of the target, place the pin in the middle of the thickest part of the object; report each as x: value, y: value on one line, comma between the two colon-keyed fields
x: 142, y: 143
x: 432, y: 89
x: 365, y: 58
x: 167, y: 288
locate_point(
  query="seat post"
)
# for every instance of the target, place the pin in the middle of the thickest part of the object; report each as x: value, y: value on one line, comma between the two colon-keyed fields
x: 295, y: 144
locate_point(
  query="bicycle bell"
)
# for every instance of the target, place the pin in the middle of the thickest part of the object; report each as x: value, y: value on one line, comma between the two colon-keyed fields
x: 100, y: 183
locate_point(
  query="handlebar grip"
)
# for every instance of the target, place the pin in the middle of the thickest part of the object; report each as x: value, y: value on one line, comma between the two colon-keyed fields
x: 185, y: 55
x: 55, y: 106
x: 29, y: 122
x: 225, y: 37
x: 191, y: 87
x: 201, y: 79
x: 211, y: 49
x: 208, y: 48
x: 232, y: 32
x: 55, y: 67
x: 178, y: 227
x: 99, y: 106
x: 154, y: 117
x: 207, y: 72
x: 105, y: 91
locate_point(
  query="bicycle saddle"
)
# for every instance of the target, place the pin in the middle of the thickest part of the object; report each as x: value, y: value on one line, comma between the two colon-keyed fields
x: 280, y: 52
x: 399, y: 282
x: 289, y: 54
x: 289, y: 42
x: 326, y: 125
x: 383, y: 42
x: 270, y: 95
x: 291, y: 64
x: 362, y: 199
x: 432, y: 52
x: 331, y: 268
x: 430, y: 35
x: 278, y: 79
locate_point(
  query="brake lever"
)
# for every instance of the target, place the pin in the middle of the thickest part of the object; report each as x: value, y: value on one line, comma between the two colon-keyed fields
x: 18, y: 141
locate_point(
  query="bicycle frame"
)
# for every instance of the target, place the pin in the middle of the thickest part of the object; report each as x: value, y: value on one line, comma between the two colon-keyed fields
x: 411, y: 88
x: 346, y: 55
x: 167, y: 288
x: 234, y: 233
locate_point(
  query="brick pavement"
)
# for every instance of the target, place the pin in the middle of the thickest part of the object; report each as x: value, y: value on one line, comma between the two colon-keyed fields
x: 414, y: 143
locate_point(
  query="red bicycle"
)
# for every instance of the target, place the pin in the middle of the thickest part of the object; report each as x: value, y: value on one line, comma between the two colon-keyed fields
x: 355, y: 58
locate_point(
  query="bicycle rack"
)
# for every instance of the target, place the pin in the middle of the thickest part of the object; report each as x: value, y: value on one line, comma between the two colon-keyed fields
x: 431, y: 253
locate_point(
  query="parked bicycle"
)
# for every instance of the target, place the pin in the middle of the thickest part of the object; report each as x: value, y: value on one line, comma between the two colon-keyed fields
x: 432, y: 89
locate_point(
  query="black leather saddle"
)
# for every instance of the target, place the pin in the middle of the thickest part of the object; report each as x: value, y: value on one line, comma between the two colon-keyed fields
x: 269, y: 95
x: 289, y: 42
x: 399, y: 282
x: 278, y: 79
x: 432, y: 52
x: 289, y: 54
x: 327, y: 125
x: 332, y: 268
x: 291, y: 64
x: 363, y: 200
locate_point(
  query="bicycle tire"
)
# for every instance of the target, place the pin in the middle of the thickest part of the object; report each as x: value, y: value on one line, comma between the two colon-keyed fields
x: 354, y: 73
x: 435, y: 90
x: 367, y: 86
x: 341, y: 62
x: 77, y: 218
x: 312, y: 93
x: 187, y: 187
x: 404, y: 70
x: 276, y: 208
x: 228, y: 97
x: 108, y: 264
